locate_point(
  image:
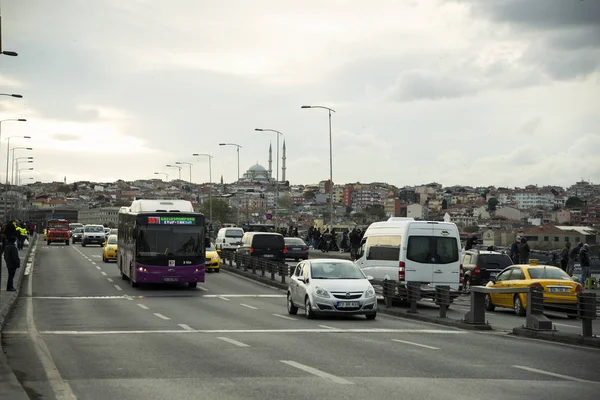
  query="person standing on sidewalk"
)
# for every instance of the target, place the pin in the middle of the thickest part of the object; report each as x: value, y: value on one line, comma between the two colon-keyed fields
x: 584, y: 259
x: 13, y: 262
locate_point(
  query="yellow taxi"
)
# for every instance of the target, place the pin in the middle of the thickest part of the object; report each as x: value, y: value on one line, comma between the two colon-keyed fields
x: 213, y: 261
x: 560, y: 290
x: 109, y: 248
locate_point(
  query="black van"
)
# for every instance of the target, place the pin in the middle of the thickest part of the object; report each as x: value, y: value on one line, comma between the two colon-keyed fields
x: 263, y: 244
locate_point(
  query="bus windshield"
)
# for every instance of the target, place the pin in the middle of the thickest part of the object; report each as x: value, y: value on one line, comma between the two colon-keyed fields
x: 164, y: 240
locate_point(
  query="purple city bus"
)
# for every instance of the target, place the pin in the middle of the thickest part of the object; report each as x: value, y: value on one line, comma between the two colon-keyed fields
x: 161, y: 241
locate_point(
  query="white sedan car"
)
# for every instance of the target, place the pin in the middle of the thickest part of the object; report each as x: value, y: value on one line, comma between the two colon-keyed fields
x: 331, y: 286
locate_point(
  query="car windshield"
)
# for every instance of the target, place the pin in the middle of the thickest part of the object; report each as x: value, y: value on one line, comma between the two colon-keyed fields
x: 294, y: 241
x: 78, y: 230
x: 548, y: 273
x: 170, y: 241
x: 94, y: 229
x: 112, y: 240
x: 336, y: 270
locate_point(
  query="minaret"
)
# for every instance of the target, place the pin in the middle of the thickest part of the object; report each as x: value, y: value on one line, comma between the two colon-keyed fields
x: 283, y: 163
x: 270, y: 161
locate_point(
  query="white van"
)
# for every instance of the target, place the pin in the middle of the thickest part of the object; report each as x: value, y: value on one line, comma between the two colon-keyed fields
x: 405, y: 250
x: 228, y: 238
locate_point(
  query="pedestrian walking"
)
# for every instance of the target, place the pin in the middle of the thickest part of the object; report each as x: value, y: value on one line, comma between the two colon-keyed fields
x: 564, y: 256
x: 13, y: 262
x: 524, y: 251
x: 584, y: 259
x: 514, y: 250
x: 573, y: 254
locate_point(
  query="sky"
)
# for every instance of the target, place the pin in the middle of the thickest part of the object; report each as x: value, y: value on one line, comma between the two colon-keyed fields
x: 459, y: 92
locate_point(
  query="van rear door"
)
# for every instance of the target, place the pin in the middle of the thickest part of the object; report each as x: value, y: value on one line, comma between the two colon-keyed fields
x: 418, y: 267
x: 446, y: 269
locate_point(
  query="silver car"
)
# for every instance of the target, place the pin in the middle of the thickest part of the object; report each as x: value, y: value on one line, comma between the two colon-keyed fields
x: 331, y: 286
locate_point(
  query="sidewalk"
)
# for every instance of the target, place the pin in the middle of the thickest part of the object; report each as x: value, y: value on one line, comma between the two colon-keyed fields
x: 10, y: 387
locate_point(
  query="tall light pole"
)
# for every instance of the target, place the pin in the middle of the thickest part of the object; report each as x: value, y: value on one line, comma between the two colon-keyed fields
x: 7, y: 152
x: 9, y: 53
x: 175, y: 166
x: 18, y: 96
x: 23, y: 179
x: 277, y: 174
x: 209, y: 183
x: 6, y: 120
x: 163, y: 173
x: 238, y: 155
x: 19, y: 173
x: 330, y: 165
x: 12, y: 169
x: 186, y: 163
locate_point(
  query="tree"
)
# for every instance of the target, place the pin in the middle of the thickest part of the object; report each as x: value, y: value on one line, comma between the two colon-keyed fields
x: 574, y: 202
x: 64, y: 189
x: 472, y: 229
x: 220, y: 210
x: 285, y: 201
x: 376, y: 210
x: 492, y: 204
x: 444, y: 204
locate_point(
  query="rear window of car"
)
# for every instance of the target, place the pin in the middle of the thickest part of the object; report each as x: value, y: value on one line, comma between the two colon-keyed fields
x: 234, y: 233
x: 272, y: 241
x: 548, y: 273
x: 494, y: 261
x: 296, y: 241
x: 432, y: 249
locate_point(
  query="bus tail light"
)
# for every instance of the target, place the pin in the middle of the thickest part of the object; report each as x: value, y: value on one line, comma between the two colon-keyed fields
x: 401, y: 271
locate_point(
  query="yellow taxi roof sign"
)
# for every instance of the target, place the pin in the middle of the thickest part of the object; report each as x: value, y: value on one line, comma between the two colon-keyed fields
x: 534, y: 261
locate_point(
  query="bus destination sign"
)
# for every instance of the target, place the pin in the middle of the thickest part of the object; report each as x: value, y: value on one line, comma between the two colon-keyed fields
x: 171, y: 220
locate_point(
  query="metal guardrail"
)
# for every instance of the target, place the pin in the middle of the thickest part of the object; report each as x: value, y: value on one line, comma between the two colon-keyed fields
x: 393, y: 291
x: 257, y: 265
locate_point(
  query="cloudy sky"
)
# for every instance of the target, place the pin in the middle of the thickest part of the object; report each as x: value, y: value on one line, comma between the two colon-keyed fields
x: 500, y: 92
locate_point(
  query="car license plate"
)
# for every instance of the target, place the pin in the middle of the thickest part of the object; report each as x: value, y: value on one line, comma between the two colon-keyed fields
x: 297, y: 249
x: 559, y: 289
x: 268, y: 255
x: 171, y: 279
x: 348, y: 304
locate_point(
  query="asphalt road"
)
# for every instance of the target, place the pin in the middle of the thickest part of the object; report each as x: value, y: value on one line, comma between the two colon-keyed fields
x: 79, y: 331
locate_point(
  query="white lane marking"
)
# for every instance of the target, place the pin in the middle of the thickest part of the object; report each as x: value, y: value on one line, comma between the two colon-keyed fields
x: 98, y: 268
x: 317, y: 372
x: 566, y: 377
x: 103, y: 273
x: 61, y: 388
x: 143, y: 306
x: 186, y: 327
x: 248, y: 306
x: 96, y: 255
x: 203, y: 288
x: 285, y: 317
x: 223, y: 298
x: 109, y: 279
x: 118, y: 287
x: 78, y: 297
x: 246, y: 295
x: 306, y: 330
x: 325, y: 327
x: 567, y: 325
x: 415, y: 344
x: 161, y: 316
x: 228, y: 340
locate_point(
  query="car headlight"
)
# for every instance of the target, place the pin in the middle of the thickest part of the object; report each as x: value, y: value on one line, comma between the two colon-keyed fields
x: 370, y: 292
x: 215, y: 257
x: 320, y: 292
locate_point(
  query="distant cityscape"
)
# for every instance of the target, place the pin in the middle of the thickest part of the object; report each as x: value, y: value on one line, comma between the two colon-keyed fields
x: 547, y: 215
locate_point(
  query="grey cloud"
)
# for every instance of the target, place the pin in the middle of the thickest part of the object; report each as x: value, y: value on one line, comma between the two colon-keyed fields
x: 65, y: 137
x: 428, y: 85
x: 531, y: 126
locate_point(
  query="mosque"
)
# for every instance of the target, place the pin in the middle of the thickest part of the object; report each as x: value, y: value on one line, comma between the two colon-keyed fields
x: 258, y: 174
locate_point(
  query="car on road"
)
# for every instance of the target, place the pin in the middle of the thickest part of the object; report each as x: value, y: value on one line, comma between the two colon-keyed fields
x: 481, y: 265
x: 331, y: 286
x: 73, y: 226
x: 109, y: 249
x: 213, y: 261
x: 77, y: 235
x: 93, y: 234
x: 229, y: 238
x: 560, y: 290
x: 263, y: 244
x: 295, y: 248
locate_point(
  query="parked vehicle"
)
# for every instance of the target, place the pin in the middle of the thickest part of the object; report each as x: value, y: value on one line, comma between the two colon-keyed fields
x: 331, y: 286
x: 405, y: 250
x: 263, y: 244
x: 479, y: 266
x: 295, y: 248
x: 57, y: 230
x: 229, y: 238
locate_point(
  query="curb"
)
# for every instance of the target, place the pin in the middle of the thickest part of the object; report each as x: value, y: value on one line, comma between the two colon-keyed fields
x: 397, y: 313
x: 554, y: 336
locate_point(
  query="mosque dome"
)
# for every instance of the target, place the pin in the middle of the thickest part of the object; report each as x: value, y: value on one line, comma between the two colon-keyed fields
x: 257, y: 168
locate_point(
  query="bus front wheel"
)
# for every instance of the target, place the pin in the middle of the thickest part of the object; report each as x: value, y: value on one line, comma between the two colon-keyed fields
x: 193, y: 284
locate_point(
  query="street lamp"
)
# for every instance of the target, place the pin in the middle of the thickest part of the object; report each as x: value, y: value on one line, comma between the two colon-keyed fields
x: 209, y: 183
x: 6, y: 120
x: 175, y: 166
x: 19, y: 174
x: 186, y: 163
x: 12, y: 173
x: 163, y: 173
x: 10, y: 53
x: 277, y: 173
x: 238, y: 155
x: 7, y: 153
x: 18, y: 96
x: 330, y: 165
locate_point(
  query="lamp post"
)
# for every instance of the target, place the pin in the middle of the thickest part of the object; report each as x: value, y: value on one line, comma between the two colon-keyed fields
x: 330, y: 165
x: 9, y: 53
x: 7, y: 120
x: 209, y: 183
x: 18, y: 96
x: 186, y: 163
x: 7, y: 153
x: 29, y: 177
x: 163, y: 173
x: 277, y: 174
x: 12, y: 169
x: 175, y: 166
x: 19, y: 173
x: 238, y: 156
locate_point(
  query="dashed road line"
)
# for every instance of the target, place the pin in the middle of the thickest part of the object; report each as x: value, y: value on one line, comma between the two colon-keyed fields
x: 118, y: 287
x: 223, y: 298
x: 567, y: 325
x: 317, y: 372
x: 415, y: 344
x: 110, y: 280
x: 203, y: 288
x: 97, y: 267
x: 249, y: 331
x: 186, y: 327
x: 248, y: 306
x: 542, y: 372
x: 143, y: 306
x: 161, y: 316
x: 285, y: 317
x: 326, y: 327
x: 232, y: 341
x: 103, y: 273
